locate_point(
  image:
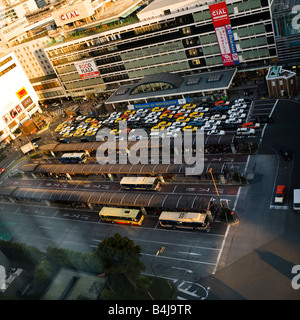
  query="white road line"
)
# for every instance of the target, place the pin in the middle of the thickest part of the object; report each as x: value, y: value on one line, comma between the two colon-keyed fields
x: 222, y: 247
x: 179, y: 259
x: 191, y: 253
x: 275, y: 104
x: 279, y: 207
x: 176, y: 244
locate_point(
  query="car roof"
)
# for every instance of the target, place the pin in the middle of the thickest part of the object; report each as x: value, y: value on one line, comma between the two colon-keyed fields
x: 280, y: 188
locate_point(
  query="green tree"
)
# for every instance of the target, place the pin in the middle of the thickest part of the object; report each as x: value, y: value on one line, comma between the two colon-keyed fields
x: 120, y: 258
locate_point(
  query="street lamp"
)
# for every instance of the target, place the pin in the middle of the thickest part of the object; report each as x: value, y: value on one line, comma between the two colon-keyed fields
x: 217, y: 191
x: 161, y: 250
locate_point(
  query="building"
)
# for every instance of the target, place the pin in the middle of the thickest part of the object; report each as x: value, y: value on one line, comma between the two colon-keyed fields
x: 38, y: 68
x: 19, y: 101
x: 169, y: 36
x: 75, y: 285
x: 281, y: 83
x: 165, y: 89
x: 286, y: 22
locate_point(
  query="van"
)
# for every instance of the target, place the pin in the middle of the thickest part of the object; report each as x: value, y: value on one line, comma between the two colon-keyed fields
x: 296, y: 200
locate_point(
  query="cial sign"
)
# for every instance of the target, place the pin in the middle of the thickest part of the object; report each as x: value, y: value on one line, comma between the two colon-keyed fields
x: 69, y: 15
x: 87, y: 69
x: 219, y: 14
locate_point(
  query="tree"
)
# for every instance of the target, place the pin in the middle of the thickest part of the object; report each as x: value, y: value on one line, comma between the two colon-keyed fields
x: 120, y: 258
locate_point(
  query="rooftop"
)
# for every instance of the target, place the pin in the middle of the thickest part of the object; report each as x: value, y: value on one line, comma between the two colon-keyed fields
x: 201, y: 82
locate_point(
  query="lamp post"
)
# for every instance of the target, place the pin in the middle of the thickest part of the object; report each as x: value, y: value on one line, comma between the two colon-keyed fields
x: 217, y: 191
x: 161, y: 250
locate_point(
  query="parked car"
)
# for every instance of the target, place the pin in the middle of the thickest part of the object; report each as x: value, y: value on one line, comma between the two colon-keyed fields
x: 233, y: 121
x: 251, y: 125
x: 216, y: 132
x: 280, y: 194
x: 2, y: 170
x: 218, y: 116
x: 285, y: 152
x: 245, y: 131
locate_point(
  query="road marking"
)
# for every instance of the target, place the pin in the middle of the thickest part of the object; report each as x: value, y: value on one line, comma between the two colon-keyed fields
x: 222, y: 247
x: 275, y: 104
x: 187, y: 270
x: 191, y: 253
x: 176, y: 244
x: 279, y: 207
x: 178, y: 259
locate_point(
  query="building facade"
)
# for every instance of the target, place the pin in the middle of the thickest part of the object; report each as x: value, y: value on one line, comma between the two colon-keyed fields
x: 286, y: 19
x: 19, y: 101
x: 180, y: 38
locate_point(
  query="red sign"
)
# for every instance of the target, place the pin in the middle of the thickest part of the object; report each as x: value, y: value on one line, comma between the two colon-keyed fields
x: 219, y: 14
x: 69, y: 15
x: 224, y: 46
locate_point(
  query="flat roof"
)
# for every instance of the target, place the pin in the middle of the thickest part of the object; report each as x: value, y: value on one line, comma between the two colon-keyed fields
x: 201, y: 82
x: 118, y: 198
x: 96, y: 168
x: 71, y: 284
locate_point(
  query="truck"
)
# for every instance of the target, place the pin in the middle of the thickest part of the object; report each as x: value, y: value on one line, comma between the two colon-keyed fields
x: 296, y: 200
x: 28, y: 147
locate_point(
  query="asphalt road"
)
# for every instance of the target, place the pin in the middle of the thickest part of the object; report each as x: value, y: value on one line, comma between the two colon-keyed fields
x: 262, y: 249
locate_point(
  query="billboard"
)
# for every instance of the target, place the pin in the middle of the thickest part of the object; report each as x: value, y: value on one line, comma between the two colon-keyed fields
x: 224, y: 46
x: 87, y: 69
x: 219, y: 14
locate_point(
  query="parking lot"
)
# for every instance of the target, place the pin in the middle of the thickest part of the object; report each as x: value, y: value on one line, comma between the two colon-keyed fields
x: 164, y: 121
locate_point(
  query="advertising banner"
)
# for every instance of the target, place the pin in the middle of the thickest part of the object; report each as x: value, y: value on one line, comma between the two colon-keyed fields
x: 160, y: 103
x: 87, y: 69
x: 219, y: 14
x: 224, y: 46
x: 21, y: 93
x: 233, y: 50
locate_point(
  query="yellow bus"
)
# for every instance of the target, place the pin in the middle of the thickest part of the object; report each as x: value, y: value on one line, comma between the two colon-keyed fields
x: 121, y: 215
x: 184, y: 220
x: 140, y: 183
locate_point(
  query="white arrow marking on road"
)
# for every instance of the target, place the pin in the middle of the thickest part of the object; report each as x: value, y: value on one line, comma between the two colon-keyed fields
x: 187, y: 270
x: 191, y: 253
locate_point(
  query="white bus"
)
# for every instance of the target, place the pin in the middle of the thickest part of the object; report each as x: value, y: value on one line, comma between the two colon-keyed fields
x: 140, y: 183
x: 121, y: 215
x: 184, y: 220
x: 75, y: 157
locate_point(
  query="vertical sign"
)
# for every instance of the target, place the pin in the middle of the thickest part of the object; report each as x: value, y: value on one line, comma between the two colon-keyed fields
x: 233, y: 50
x: 220, y: 18
x: 224, y: 46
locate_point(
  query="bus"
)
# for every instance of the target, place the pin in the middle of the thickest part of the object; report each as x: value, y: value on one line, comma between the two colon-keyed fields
x: 184, y: 220
x: 140, y: 183
x: 79, y: 157
x: 121, y: 215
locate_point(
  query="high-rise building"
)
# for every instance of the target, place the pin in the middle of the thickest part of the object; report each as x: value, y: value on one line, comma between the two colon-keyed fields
x: 286, y: 19
x: 19, y: 101
x: 170, y: 36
